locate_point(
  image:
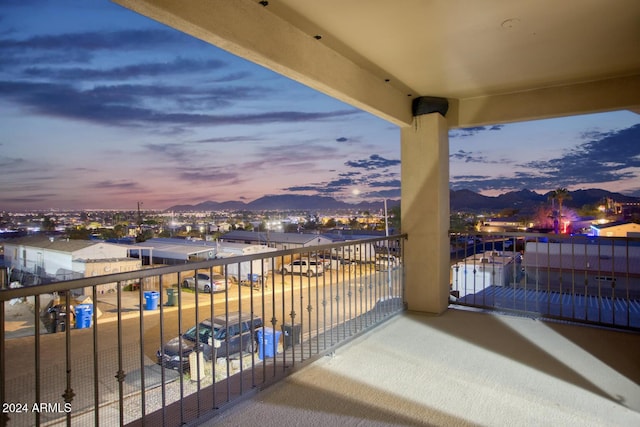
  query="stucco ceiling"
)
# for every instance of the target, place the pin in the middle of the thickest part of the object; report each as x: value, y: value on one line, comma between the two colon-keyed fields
x: 494, y: 60
x: 465, y: 48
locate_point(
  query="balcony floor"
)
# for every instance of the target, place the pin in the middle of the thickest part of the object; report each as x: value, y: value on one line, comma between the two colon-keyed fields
x: 461, y: 368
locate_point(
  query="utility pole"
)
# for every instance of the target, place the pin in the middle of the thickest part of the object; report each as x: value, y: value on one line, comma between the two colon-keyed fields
x: 139, y: 215
x: 139, y: 220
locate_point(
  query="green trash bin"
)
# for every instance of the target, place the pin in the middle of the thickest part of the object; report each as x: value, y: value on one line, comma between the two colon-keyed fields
x: 172, y: 294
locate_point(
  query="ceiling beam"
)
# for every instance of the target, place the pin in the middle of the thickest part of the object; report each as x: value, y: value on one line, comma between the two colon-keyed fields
x: 249, y: 30
x: 621, y: 93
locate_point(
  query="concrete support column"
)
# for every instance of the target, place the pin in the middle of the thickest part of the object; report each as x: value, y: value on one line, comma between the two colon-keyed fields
x: 425, y: 212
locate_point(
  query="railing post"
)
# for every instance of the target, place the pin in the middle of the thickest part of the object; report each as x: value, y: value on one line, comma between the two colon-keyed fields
x: 120, y: 374
x: 4, y: 416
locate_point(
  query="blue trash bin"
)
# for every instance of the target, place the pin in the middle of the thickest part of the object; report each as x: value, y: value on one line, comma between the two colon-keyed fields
x: 83, y: 315
x: 151, y: 300
x: 267, y: 342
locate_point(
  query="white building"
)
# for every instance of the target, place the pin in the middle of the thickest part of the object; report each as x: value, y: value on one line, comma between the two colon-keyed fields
x: 280, y: 241
x: 171, y: 251
x: 597, y: 266
x: 39, y: 260
x: 616, y: 229
x: 480, y: 271
x: 179, y: 251
x: 241, y: 271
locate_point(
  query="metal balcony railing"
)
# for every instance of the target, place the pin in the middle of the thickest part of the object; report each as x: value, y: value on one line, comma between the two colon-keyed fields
x: 156, y: 347
x: 578, y: 278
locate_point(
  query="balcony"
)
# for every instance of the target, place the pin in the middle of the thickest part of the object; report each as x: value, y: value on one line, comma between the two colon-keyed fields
x: 465, y: 367
x: 348, y: 352
x: 81, y: 355
x: 576, y: 278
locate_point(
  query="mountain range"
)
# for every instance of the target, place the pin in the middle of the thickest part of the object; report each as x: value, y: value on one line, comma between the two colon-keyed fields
x: 460, y: 200
x: 282, y: 203
x: 529, y: 201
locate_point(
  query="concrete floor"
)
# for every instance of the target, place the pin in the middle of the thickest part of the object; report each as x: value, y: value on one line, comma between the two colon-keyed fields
x: 462, y: 368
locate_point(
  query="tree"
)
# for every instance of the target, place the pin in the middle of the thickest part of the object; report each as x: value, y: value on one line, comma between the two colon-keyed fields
x: 48, y: 224
x: 78, y: 233
x: 559, y: 194
x: 394, y: 219
x: 354, y: 224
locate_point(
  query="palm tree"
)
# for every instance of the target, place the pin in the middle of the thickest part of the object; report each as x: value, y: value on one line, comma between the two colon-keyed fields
x: 559, y: 194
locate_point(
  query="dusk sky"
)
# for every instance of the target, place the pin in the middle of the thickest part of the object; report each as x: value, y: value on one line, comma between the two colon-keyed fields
x: 103, y: 108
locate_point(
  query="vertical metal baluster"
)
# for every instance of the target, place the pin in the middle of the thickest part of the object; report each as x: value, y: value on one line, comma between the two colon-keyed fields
x: 214, y: 355
x: 309, y: 307
x: 613, y: 282
x: 335, y: 301
x: 197, y: 346
x: 36, y: 323
x: 331, y: 298
x: 357, y: 300
x: 96, y: 371
x: 120, y: 375
x: 180, y: 370
x: 141, y: 326
x: 263, y: 277
x: 4, y: 417
x: 226, y: 339
x: 560, y: 245
x: 345, y: 295
x: 242, y: 344
x: 586, y: 283
x: 68, y: 393
x: 573, y: 279
x: 198, y: 343
x: 346, y: 299
x: 367, y: 288
x: 292, y: 314
x: 537, y: 274
x: 314, y: 307
x: 628, y: 285
x: 264, y: 316
x: 324, y: 301
x: 521, y: 279
x: 163, y: 389
x: 548, y: 277
x: 353, y: 283
x: 599, y: 282
x: 368, y: 291
x: 629, y: 273
x: 302, y: 310
x: 319, y: 282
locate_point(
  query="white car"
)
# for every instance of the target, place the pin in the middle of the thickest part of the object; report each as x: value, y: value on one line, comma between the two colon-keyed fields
x: 304, y: 266
x: 218, y: 284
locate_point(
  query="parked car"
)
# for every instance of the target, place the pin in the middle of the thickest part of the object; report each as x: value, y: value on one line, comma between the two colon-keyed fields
x: 304, y: 266
x: 205, y: 282
x: 224, y: 336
